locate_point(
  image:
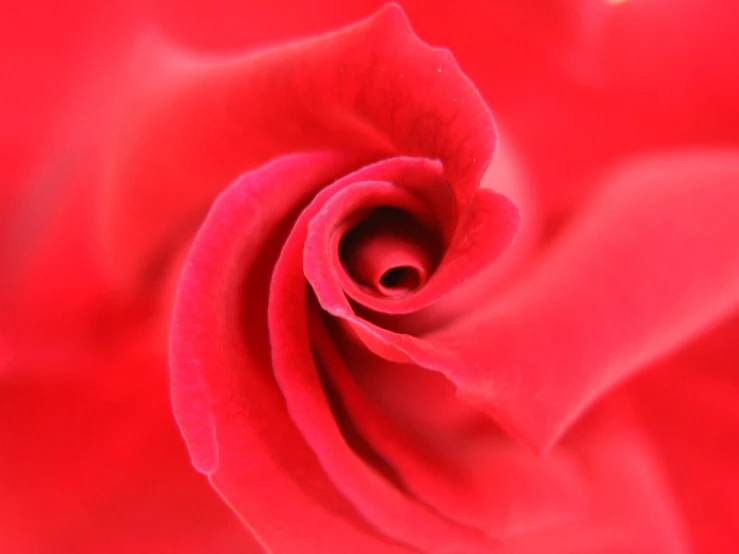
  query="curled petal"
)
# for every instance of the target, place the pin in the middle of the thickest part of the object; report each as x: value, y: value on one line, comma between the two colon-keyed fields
x: 474, y: 475
x: 652, y: 260
x: 382, y: 503
x: 390, y: 253
x: 474, y: 241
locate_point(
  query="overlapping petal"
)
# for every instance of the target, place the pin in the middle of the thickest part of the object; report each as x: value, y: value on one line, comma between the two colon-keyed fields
x: 225, y: 397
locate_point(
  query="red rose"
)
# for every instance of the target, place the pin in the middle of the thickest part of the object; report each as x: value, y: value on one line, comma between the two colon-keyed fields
x: 376, y: 343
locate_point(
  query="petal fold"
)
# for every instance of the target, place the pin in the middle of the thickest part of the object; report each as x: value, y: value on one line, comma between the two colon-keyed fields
x: 652, y: 260
x: 193, y: 124
x: 224, y: 395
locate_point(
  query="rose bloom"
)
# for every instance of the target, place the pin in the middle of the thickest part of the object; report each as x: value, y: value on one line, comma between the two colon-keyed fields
x: 287, y: 278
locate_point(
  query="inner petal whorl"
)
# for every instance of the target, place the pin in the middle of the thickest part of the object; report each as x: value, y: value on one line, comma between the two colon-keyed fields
x: 389, y: 253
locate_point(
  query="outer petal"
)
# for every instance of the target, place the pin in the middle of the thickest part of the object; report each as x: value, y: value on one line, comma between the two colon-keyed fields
x: 474, y: 475
x: 689, y: 406
x: 225, y: 398
x: 652, y: 260
x: 195, y: 124
x: 629, y: 507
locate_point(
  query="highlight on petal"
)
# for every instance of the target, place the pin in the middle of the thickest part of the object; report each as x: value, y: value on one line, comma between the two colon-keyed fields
x: 193, y: 123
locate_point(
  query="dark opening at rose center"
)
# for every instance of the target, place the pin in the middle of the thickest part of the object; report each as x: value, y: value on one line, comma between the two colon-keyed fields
x: 389, y: 252
x: 401, y: 277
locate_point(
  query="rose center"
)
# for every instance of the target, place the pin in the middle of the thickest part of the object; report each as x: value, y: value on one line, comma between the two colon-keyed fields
x: 389, y: 253
x: 403, y: 277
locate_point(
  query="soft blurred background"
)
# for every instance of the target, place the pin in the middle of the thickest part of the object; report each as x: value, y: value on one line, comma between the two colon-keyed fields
x: 576, y: 85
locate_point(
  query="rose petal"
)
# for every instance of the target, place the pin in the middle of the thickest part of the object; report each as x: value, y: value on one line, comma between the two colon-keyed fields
x: 475, y: 475
x: 389, y: 253
x: 688, y: 406
x: 194, y: 124
x: 632, y: 510
x: 481, y: 234
x: 381, y: 502
x: 225, y: 398
x: 652, y: 260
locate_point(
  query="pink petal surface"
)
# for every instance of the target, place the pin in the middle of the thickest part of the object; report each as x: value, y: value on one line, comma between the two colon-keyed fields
x: 627, y: 503
x: 380, y: 502
x: 558, y: 73
x: 309, y: 409
x: 214, y: 435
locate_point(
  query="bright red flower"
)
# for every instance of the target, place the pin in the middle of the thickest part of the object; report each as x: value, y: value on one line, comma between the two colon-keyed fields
x: 376, y: 341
